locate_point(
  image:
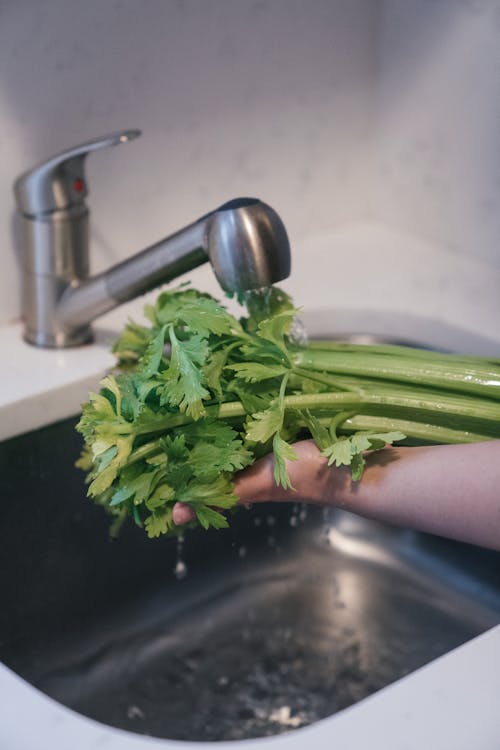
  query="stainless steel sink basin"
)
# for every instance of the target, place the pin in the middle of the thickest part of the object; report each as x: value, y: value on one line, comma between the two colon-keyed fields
x: 280, y: 621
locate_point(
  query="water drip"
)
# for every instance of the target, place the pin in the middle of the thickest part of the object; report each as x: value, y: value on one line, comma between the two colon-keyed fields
x: 180, y: 570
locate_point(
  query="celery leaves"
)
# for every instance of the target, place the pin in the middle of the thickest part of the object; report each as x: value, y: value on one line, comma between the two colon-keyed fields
x: 198, y: 395
x: 348, y: 451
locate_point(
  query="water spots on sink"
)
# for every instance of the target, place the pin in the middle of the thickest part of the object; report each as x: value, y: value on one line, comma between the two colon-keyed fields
x: 284, y: 716
x: 135, y: 712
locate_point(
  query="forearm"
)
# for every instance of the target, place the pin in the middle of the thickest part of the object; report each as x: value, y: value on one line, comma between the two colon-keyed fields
x: 451, y: 490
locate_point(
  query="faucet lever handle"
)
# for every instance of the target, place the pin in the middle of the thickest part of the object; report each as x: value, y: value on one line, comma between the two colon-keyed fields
x: 58, y: 184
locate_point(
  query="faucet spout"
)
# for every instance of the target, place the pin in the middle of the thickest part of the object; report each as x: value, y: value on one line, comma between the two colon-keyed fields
x: 158, y: 264
x: 244, y: 240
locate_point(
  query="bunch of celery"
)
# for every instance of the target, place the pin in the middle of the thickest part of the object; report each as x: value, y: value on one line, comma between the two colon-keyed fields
x: 199, y: 395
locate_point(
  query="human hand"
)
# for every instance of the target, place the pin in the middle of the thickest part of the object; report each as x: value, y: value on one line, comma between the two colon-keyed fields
x: 312, y: 481
x: 449, y: 490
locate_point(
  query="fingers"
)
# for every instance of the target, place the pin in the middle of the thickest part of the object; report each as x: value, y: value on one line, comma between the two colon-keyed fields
x: 309, y: 475
x: 257, y: 482
x: 182, y: 514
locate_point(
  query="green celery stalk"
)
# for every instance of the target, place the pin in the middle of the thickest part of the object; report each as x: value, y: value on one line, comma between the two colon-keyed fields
x: 199, y: 395
x: 449, y: 374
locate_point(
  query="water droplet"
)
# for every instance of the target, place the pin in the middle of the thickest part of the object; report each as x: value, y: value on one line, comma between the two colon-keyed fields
x: 294, y: 518
x: 257, y: 521
x: 324, y: 536
x: 180, y: 570
x: 298, y: 332
x: 242, y: 551
x: 303, y: 513
x: 270, y: 520
x: 223, y: 680
x: 271, y: 541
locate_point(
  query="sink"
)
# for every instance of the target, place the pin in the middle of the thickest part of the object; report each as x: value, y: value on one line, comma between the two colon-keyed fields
x: 287, y: 617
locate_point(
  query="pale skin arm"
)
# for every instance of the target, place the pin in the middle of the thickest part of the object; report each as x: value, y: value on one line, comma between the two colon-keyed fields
x: 450, y: 490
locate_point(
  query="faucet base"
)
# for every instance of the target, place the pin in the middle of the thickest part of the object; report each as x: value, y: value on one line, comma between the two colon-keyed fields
x: 61, y: 339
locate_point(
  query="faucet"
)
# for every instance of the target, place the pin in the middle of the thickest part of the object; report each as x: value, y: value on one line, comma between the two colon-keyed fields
x: 244, y: 240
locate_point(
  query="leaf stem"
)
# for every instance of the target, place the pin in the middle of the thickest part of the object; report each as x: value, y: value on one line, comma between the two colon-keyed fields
x: 416, y: 430
x: 452, y: 375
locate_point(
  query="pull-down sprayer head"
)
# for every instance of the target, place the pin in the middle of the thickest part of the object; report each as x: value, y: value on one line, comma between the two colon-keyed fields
x: 247, y: 245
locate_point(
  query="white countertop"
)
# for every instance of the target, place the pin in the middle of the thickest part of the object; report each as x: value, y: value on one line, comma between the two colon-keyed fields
x: 450, y: 704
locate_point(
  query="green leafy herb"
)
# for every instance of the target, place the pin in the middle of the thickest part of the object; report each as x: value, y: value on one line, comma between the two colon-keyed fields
x: 198, y: 395
x: 348, y: 451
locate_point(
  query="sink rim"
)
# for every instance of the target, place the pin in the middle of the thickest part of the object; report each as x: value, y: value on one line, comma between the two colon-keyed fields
x: 63, y: 726
x: 46, y: 441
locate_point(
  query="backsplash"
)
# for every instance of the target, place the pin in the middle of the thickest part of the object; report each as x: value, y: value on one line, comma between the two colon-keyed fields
x: 336, y: 112
x: 437, y: 123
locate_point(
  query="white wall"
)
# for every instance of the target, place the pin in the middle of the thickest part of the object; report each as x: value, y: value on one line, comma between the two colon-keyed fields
x: 235, y: 97
x: 437, y: 123
x: 336, y: 112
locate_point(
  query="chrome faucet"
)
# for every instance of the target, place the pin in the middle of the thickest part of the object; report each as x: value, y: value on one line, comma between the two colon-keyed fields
x: 244, y: 240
